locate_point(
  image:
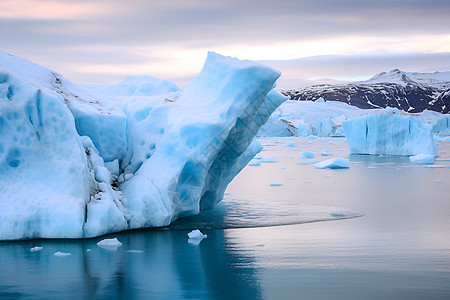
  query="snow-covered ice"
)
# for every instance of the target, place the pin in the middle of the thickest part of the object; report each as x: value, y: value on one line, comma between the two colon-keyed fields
x: 389, y: 134
x: 94, y: 164
x: 422, y: 159
x: 334, y: 163
x: 36, y: 249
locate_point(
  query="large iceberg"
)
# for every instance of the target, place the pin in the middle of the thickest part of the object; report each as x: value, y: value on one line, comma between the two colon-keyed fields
x: 74, y: 164
x: 389, y: 134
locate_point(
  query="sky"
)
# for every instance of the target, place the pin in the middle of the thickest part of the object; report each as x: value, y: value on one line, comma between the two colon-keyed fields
x: 101, y: 41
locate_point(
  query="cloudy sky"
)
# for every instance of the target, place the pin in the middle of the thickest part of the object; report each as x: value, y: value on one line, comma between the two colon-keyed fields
x: 100, y: 41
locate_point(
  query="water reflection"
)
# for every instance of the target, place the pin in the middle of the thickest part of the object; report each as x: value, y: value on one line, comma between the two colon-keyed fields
x: 168, y: 268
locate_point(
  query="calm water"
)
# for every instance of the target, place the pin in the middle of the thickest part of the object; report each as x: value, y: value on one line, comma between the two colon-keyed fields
x: 270, y: 242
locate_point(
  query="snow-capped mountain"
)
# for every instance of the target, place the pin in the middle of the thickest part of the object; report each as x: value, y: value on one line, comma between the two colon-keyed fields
x: 409, y: 91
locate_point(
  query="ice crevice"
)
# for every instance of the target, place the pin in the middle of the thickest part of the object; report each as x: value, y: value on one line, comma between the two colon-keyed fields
x: 78, y: 163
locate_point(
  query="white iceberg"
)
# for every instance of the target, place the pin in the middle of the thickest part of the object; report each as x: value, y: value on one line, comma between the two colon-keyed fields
x: 334, y: 163
x: 389, y: 134
x: 110, y: 244
x: 422, y: 159
x: 196, y: 235
x: 77, y: 165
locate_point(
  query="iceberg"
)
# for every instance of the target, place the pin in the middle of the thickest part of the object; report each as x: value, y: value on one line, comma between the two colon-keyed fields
x: 389, y: 134
x: 77, y: 164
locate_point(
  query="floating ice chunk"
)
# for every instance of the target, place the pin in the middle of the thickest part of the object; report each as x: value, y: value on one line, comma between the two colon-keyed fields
x: 307, y: 154
x: 303, y: 162
x: 62, y: 254
x: 422, y: 159
x: 110, y: 244
x: 276, y: 184
x: 334, y: 163
x: 289, y: 144
x: 438, y: 181
x: 36, y: 249
x: 135, y: 251
x: 196, y: 235
x: 268, y: 160
x: 307, y: 181
x: 326, y: 153
x: 342, y: 214
x: 434, y: 166
x: 254, y: 162
x: 88, y: 250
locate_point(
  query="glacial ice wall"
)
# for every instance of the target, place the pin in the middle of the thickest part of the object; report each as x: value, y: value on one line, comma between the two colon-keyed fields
x: 389, y: 134
x: 74, y: 164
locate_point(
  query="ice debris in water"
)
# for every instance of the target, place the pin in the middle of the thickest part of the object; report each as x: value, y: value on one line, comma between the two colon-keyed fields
x: 334, y: 163
x: 254, y: 162
x: 422, y: 159
x: 110, y: 244
x: 196, y: 236
x: 268, y: 160
x: 36, y: 249
x: 276, y: 184
x: 289, y: 144
x: 326, y: 153
x: 307, y: 154
x: 61, y: 254
x: 338, y: 214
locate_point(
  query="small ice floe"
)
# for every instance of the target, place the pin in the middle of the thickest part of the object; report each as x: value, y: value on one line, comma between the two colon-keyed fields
x: 438, y: 181
x: 339, y: 214
x: 372, y: 167
x: 307, y: 181
x: 196, y: 236
x: 311, y: 137
x: 434, y: 166
x: 254, y: 162
x: 135, y: 251
x: 289, y: 144
x: 110, y: 244
x: 36, y: 249
x: 88, y: 250
x: 276, y: 184
x: 268, y: 160
x: 422, y: 159
x: 307, y: 154
x: 303, y: 162
x: 334, y: 163
x: 61, y: 254
x: 326, y: 153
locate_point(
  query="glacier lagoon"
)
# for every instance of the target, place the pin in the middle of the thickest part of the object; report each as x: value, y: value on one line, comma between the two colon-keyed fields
x: 270, y: 242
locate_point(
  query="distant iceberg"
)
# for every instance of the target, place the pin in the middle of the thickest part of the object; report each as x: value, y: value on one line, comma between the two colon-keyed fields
x: 76, y: 164
x: 389, y: 134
